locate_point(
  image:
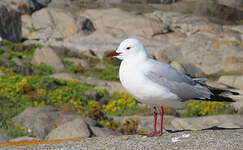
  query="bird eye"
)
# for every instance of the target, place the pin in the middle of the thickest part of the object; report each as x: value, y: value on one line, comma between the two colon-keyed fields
x: 128, y: 48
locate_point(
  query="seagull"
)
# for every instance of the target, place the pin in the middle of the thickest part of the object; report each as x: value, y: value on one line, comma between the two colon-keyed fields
x: 158, y: 84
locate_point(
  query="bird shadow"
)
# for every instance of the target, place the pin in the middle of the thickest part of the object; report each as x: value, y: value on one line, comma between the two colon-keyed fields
x: 221, y: 128
x: 214, y: 128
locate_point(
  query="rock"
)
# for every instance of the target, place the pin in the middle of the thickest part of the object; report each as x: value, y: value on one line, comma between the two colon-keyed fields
x: 3, y: 136
x: 42, y: 120
x: 232, y: 81
x: 47, y: 56
x: 71, y: 129
x: 237, y: 98
x: 50, y: 123
x: 17, y: 61
x: 172, y: 123
x: 24, y: 138
x: 131, y: 26
x: 103, y: 132
x: 146, y: 122
x: 238, y: 107
x: 53, y: 23
x: 78, y: 5
x: 92, y: 54
x: 27, y: 27
x: 79, y: 62
x: 232, y: 3
x: 161, y: 57
x: 65, y: 76
x: 49, y: 27
x: 110, y: 86
x: 198, y: 123
x: 216, y: 10
x: 188, y: 69
x: 201, y: 38
x: 219, y: 45
x: 87, y: 26
x: 217, y: 85
x: 10, y: 23
x: 27, y: 6
x: 64, y: 22
x: 223, y: 139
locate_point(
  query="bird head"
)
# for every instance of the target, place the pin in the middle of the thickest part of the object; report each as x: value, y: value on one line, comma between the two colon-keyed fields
x: 129, y: 47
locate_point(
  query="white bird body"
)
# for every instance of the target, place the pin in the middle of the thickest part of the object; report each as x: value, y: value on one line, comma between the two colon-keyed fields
x: 132, y: 76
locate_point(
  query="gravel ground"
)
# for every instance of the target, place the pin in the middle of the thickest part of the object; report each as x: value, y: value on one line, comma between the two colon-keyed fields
x: 230, y: 139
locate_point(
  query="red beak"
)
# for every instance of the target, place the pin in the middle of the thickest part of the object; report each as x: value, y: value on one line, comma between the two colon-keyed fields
x: 113, y: 53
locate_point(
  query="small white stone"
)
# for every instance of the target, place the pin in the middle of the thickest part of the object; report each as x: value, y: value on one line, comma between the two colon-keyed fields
x: 175, y: 139
x: 186, y: 135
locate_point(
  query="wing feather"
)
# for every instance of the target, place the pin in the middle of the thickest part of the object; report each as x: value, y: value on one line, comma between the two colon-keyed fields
x: 182, y: 89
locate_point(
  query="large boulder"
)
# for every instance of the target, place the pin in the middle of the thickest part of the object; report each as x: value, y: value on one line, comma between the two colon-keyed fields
x: 217, y: 10
x: 41, y: 120
x: 232, y: 3
x: 10, y: 23
x: 183, y: 38
x: 47, y: 56
x: 46, y: 122
x: 202, y: 40
x: 235, y: 81
x: 53, y: 23
x: 188, y: 69
x: 103, y: 132
x: 238, y: 106
x: 75, y: 128
x: 128, y: 23
x: 198, y: 123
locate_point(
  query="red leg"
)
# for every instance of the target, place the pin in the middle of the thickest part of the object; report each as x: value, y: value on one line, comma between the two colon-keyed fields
x: 155, y: 132
x: 161, y: 120
x: 155, y: 122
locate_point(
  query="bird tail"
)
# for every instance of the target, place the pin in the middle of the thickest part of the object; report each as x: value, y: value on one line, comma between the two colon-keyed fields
x: 220, y: 95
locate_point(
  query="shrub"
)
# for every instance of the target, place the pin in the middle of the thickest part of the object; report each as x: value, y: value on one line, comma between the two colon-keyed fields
x: 121, y: 105
x: 202, y: 108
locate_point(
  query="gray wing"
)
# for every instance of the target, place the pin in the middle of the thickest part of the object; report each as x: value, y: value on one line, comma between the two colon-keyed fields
x: 182, y: 89
x: 166, y: 71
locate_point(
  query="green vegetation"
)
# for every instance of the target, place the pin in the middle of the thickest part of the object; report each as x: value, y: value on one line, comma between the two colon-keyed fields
x: 18, y: 92
x: 9, y: 52
x: 203, y: 108
x: 124, y: 105
x: 108, y: 72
